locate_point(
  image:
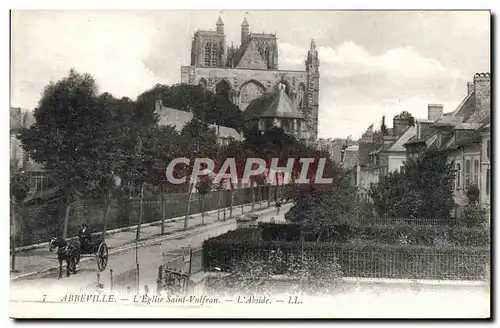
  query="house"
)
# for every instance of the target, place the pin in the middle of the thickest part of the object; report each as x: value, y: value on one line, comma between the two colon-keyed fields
x: 382, y: 151
x: 464, y: 135
x: 178, y: 118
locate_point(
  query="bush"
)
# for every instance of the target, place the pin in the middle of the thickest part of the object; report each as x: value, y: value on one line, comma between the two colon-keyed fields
x: 257, y: 276
x: 272, y: 231
x: 396, y: 234
x: 473, y: 215
x: 423, y: 235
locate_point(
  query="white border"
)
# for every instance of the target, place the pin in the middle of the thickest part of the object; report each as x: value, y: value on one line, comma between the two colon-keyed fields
x: 214, y: 5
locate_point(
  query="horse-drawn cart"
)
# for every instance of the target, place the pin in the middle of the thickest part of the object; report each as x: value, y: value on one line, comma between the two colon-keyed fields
x: 96, y: 246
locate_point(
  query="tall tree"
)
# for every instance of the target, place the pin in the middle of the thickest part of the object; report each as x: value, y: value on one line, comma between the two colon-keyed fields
x: 423, y: 190
x: 69, y: 136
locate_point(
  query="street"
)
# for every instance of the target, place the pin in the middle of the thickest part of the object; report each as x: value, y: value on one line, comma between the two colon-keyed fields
x: 153, y: 253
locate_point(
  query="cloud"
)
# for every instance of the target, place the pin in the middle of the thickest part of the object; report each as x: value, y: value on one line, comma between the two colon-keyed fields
x: 358, y: 87
x: 350, y: 59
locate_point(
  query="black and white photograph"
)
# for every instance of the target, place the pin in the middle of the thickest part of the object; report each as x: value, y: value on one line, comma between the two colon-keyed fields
x: 248, y: 164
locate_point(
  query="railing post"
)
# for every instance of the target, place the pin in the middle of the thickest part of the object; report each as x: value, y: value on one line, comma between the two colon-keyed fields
x: 111, y: 279
x: 137, y: 277
x: 159, y: 281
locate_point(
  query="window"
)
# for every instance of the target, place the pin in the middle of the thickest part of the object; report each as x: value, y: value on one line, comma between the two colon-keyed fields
x: 208, y: 48
x: 402, y: 168
x: 467, y: 173
x: 36, y: 182
x: 487, y: 181
x: 476, y: 172
x: 458, y: 175
x: 285, y: 124
x: 214, y: 55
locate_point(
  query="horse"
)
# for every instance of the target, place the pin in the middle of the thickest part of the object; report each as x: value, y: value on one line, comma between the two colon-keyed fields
x: 66, y: 251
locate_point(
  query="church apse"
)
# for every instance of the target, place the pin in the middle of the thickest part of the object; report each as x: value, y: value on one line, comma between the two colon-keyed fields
x: 246, y: 71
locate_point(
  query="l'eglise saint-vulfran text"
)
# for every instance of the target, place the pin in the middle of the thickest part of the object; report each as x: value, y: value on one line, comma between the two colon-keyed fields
x: 199, y: 300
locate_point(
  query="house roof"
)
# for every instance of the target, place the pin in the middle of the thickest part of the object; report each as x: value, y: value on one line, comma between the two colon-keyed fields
x: 272, y: 104
x: 174, y: 117
x: 464, y: 110
x: 226, y: 132
x: 467, y: 126
x: 179, y: 118
x: 425, y: 135
x: 398, y: 145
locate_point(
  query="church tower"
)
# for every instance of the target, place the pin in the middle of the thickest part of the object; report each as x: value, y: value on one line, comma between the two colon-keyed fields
x: 312, y: 70
x: 245, y: 31
x: 220, y: 26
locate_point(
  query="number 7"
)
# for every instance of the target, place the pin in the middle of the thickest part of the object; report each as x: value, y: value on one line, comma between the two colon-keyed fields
x: 44, y: 297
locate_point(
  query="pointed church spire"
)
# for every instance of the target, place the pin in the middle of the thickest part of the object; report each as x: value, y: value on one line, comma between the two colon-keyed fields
x: 245, y: 22
x: 312, y: 55
x: 220, y: 26
x: 244, y: 31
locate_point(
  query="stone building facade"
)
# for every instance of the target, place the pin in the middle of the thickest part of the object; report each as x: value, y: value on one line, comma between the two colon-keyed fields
x: 247, y: 72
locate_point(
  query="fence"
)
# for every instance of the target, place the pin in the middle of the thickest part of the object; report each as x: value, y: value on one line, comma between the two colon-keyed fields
x: 38, y: 223
x: 125, y: 282
x: 413, y: 221
x: 174, y: 275
x: 373, y: 261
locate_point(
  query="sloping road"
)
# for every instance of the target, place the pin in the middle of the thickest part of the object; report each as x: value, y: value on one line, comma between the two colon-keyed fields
x: 153, y: 253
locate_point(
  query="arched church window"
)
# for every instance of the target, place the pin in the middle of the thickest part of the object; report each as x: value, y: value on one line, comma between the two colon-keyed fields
x: 214, y: 55
x: 208, y: 49
x: 250, y: 91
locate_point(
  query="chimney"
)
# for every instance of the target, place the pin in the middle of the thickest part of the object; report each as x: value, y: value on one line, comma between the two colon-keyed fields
x: 470, y: 87
x: 434, y: 111
x: 482, y: 92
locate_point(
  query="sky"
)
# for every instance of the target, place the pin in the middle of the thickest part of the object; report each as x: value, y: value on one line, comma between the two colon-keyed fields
x: 372, y: 63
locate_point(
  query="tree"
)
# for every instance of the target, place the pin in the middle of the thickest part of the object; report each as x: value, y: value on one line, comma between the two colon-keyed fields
x: 324, y: 208
x: 423, y: 190
x: 69, y: 136
x: 204, y: 185
x: 204, y: 104
x: 197, y: 139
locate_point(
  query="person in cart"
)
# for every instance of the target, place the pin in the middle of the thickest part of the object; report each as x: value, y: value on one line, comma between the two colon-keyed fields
x: 84, y: 235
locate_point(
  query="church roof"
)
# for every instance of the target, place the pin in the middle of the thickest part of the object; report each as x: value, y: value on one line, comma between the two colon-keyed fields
x: 273, y: 104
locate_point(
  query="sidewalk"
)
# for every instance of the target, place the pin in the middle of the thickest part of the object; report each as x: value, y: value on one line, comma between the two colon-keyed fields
x: 40, y: 259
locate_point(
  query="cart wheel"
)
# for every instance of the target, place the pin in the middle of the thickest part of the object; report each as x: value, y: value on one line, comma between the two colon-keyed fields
x: 102, y: 256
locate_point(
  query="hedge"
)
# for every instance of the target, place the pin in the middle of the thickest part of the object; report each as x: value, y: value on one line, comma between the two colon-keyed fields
x: 356, y: 260
x: 388, y: 234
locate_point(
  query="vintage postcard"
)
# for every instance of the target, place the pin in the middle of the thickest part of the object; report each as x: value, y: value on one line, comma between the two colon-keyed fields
x: 250, y: 164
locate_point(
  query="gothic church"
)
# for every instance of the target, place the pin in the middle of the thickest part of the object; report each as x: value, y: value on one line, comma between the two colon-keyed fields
x: 249, y: 71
